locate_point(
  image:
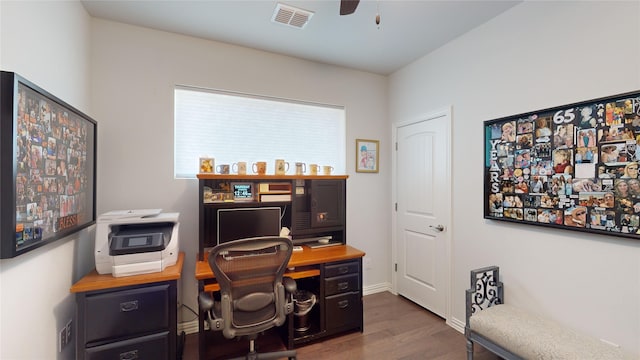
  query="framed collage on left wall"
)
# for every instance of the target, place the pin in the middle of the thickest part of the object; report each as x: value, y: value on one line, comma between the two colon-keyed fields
x: 47, y: 167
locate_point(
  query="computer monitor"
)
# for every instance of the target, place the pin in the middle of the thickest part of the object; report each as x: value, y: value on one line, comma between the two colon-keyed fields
x: 240, y: 223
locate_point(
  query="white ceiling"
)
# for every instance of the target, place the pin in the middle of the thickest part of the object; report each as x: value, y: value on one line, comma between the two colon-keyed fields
x: 408, y: 29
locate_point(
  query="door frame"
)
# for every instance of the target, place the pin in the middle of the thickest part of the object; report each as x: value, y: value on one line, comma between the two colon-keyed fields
x: 447, y: 112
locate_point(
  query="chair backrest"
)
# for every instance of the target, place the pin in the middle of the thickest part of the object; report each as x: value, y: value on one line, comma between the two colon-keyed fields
x: 486, y: 290
x: 249, y: 272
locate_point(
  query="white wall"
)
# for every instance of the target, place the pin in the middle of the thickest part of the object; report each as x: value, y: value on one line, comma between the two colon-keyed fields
x: 534, y: 56
x: 128, y: 75
x: 48, y: 43
x: 134, y: 71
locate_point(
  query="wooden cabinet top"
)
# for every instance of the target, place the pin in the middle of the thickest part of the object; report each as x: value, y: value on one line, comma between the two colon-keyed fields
x: 94, y: 281
x: 202, y: 176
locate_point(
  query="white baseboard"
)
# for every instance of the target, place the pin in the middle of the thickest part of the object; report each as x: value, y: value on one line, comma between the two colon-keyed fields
x: 190, y: 327
x: 456, y: 324
x: 372, y: 289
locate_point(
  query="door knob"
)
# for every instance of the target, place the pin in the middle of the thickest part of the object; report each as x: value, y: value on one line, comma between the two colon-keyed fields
x: 437, y: 228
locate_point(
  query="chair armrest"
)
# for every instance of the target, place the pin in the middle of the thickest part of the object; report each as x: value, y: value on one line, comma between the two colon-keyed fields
x: 290, y: 285
x: 205, y: 301
x: 207, y: 305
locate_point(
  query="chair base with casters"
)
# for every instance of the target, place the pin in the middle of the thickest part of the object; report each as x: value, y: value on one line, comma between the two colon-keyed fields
x: 254, y: 294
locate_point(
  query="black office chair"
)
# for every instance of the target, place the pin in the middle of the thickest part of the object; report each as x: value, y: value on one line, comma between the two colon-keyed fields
x: 254, y: 295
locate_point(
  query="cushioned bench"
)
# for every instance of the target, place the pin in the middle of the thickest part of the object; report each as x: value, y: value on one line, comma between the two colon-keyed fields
x: 512, y: 333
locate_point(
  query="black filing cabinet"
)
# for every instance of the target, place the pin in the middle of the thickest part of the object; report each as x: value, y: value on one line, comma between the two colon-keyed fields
x: 343, y: 296
x: 131, y: 322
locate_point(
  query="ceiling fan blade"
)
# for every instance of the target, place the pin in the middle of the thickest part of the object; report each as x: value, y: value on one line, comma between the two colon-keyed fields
x: 348, y: 6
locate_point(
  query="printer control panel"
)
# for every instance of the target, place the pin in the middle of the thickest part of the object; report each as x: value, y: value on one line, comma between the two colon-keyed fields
x: 133, y: 239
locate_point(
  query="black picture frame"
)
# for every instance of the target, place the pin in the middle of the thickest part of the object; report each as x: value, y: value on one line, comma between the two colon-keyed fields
x: 243, y: 191
x: 47, y: 167
x: 572, y: 167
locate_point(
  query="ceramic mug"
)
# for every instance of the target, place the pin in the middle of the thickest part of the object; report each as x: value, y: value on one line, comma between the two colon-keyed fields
x: 327, y: 170
x: 223, y: 169
x: 281, y: 167
x: 301, y: 168
x: 313, y: 169
x: 239, y: 168
x: 207, y: 165
x: 260, y: 167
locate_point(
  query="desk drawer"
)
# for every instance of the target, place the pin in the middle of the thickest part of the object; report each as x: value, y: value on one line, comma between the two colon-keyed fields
x: 127, y: 312
x: 343, y: 310
x: 341, y: 284
x: 341, y: 269
x: 154, y: 347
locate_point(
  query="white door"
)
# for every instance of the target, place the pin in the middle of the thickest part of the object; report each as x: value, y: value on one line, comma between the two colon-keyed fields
x: 423, y: 194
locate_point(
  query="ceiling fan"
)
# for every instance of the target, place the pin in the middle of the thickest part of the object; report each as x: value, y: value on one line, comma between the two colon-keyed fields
x: 348, y: 6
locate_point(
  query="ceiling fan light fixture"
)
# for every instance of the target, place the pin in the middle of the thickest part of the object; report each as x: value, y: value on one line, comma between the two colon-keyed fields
x: 291, y: 16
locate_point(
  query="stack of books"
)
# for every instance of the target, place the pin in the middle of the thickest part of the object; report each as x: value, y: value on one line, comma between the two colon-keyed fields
x: 274, y: 192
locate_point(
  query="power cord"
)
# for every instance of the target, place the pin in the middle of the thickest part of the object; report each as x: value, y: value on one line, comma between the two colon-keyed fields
x: 190, y: 309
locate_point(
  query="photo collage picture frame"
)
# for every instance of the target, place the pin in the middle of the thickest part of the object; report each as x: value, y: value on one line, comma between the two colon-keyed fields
x: 573, y: 167
x: 48, y: 159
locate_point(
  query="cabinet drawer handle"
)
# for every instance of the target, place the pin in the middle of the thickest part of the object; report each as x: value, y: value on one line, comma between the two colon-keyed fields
x: 129, y: 355
x: 129, y: 306
x: 343, y: 285
x: 343, y: 304
x: 343, y: 269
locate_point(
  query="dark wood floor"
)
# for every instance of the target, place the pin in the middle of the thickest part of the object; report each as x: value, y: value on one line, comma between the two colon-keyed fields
x: 394, y: 329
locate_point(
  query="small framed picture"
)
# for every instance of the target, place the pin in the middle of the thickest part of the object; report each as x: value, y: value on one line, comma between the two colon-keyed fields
x: 207, y: 165
x: 367, y: 155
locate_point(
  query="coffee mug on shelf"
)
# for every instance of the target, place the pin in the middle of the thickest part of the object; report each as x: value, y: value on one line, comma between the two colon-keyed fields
x: 240, y: 168
x: 313, y: 169
x: 281, y: 167
x: 207, y: 165
x: 327, y: 170
x: 223, y: 169
x: 301, y: 168
x: 260, y: 167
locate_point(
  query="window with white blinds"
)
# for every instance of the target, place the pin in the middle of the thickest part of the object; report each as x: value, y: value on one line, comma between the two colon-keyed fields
x: 232, y: 127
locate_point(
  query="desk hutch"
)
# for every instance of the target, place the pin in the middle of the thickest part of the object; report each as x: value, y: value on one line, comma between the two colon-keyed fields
x: 312, y: 206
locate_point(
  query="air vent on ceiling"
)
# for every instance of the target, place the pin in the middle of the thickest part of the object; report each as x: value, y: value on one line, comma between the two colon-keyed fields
x: 291, y: 16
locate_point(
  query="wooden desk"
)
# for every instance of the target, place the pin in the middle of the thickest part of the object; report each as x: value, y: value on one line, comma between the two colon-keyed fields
x: 128, y: 317
x: 333, y: 273
x: 302, y: 263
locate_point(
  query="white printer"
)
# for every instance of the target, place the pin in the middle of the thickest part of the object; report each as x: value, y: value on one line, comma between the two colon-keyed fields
x: 131, y: 242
